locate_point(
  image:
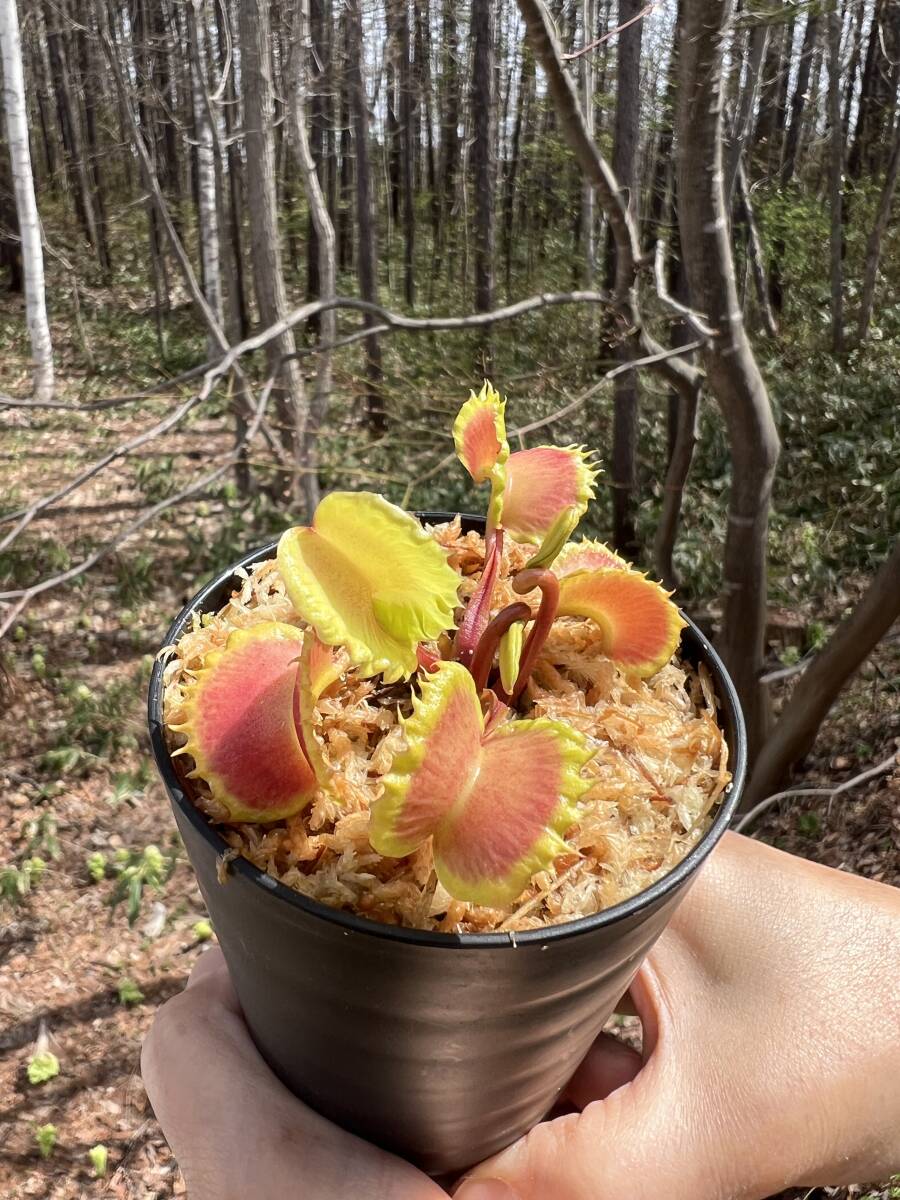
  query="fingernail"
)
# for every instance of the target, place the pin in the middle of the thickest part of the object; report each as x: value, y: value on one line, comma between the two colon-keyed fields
x: 486, y: 1189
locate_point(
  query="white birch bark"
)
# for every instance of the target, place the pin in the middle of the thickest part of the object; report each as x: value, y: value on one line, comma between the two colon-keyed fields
x: 326, y: 248
x: 207, y: 208
x: 26, y: 204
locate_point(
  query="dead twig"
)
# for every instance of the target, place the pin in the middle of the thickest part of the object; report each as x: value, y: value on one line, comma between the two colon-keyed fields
x: 753, y: 815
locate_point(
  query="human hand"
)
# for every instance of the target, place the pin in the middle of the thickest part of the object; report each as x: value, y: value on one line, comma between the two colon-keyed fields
x: 236, y: 1131
x: 771, y: 1016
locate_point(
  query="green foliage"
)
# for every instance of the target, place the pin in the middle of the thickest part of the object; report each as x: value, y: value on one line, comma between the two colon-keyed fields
x: 809, y: 824
x: 129, y: 786
x: 17, y: 881
x: 99, y: 1156
x: 135, y: 578
x: 42, y: 1067
x: 136, y: 870
x: 155, y: 477
x: 129, y: 992
x: 98, y: 725
x: 41, y: 836
x: 96, y: 866
x: 45, y: 1137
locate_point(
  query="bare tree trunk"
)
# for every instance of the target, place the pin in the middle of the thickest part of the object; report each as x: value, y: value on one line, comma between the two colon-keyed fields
x: 526, y: 83
x: 407, y: 156
x: 483, y: 160
x: 26, y: 206
x: 265, y: 246
x: 76, y: 167
x: 876, y: 238
x: 740, y: 128
x: 625, y: 168
x: 820, y: 684
x: 755, y: 253
x: 207, y: 209
x: 732, y: 372
x: 836, y: 173
x: 325, y: 242
x: 588, y: 23
x: 86, y: 41
x: 798, y: 102
x: 877, y: 96
x: 449, y: 155
x: 367, y: 261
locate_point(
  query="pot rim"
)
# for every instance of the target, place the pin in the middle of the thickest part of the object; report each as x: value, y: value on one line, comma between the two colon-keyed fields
x: 349, y: 921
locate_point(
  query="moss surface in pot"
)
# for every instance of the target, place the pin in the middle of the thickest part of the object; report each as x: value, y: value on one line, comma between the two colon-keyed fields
x: 446, y: 730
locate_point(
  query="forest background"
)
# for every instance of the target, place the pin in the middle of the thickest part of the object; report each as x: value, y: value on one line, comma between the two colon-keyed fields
x: 253, y: 250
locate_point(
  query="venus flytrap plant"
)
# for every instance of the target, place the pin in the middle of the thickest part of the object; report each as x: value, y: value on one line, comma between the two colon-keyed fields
x: 495, y: 790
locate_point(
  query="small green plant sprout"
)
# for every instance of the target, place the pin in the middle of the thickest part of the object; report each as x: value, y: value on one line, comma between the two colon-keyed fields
x: 42, y: 1067
x: 96, y: 866
x: 41, y: 834
x: 45, y: 1137
x: 99, y: 1156
x: 129, y: 992
x: 17, y: 882
x: 494, y: 789
x: 202, y: 930
x: 136, y: 870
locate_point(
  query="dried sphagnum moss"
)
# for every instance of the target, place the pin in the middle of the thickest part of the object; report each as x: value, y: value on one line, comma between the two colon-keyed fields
x: 659, y: 769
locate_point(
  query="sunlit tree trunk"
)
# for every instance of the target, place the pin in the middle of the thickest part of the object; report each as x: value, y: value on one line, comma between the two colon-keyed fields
x: 303, y: 56
x: 367, y: 261
x: 835, y: 175
x: 733, y: 375
x: 588, y: 24
x: 26, y: 205
x: 265, y: 246
x: 483, y: 162
x: 207, y: 208
x: 625, y: 388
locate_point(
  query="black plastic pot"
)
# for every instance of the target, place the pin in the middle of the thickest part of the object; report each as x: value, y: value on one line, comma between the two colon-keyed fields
x: 444, y: 1048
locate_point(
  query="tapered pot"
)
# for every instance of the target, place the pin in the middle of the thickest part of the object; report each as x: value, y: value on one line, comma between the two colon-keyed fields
x: 442, y: 1047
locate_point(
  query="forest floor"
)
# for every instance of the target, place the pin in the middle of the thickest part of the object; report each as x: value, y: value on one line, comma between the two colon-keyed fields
x: 76, y: 976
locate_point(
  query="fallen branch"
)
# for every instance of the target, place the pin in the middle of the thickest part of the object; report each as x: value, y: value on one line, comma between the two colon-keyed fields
x: 752, y: 816
x: 24, y: 596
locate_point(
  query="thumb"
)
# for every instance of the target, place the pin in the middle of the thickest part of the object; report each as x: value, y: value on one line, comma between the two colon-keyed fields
x: 633, y: 1136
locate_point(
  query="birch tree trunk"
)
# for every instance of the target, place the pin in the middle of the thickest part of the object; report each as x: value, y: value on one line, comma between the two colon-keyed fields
x: 732, y: 372
x: 835, y: 179
x: 798, y: 102
x: 26, y: 205
x: 265, y: 245
x: 207, y: 207
x: 625, y: 168
x: 483, y: 159
x: 325, y: 243
x: 588, y: 25
x: 367, y: 261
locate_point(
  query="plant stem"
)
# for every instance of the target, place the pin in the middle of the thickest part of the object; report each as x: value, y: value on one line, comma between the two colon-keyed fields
x: 490, y: 640
x: 478, y: 611
x: 525, y: 582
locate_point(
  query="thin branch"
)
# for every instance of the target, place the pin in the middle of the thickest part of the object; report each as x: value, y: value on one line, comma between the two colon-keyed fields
x: 752, y: 816
x: 659, y: 274
x: 25, y: 595
x: 648, y: 360
x: 110, y: 401
x: 611, y: 33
